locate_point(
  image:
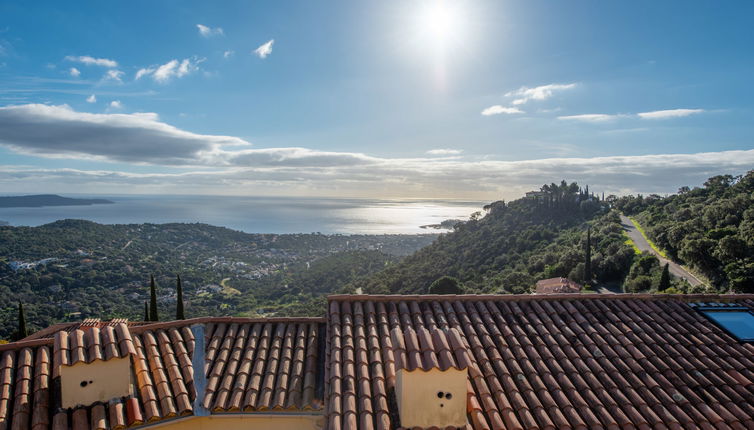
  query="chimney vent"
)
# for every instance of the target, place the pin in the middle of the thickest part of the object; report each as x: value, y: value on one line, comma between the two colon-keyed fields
x: 432, y: 398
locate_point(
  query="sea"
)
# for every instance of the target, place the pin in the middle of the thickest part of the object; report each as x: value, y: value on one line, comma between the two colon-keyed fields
x: 259, y: 214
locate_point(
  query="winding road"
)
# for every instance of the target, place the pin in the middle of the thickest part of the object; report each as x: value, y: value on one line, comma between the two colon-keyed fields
x: 643, y: 245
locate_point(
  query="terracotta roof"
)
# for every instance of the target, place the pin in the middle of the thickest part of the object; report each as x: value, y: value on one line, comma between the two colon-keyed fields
x: 557, y: 285
x: 249, y: 365
x: 543, y: 362
x: 629, y: 361
x: 49, y: 332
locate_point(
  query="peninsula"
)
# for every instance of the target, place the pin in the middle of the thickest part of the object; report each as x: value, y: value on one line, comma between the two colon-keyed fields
x: 41, y: 200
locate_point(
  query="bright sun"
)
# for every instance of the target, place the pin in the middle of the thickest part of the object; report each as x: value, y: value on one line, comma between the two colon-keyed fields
x: 438, y: 23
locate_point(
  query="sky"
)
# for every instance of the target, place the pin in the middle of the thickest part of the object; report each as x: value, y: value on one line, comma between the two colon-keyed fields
x: 375, y: 99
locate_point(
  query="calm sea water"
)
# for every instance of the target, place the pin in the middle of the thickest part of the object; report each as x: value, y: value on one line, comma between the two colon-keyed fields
x: 259, y: 214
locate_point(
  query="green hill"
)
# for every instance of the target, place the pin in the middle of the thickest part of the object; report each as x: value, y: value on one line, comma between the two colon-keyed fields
x: 517, y: 243
x: 709, y: 228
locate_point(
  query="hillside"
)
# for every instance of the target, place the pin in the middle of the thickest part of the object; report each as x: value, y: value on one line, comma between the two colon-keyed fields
x: 41, y: 200
x: 72, y: 269
x: 519, y: 242
x: 708, y: 228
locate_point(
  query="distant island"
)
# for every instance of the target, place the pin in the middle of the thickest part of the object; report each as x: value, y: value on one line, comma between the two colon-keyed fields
x: 42, y: 200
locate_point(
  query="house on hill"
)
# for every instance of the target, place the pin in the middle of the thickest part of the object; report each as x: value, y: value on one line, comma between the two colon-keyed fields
x: 557, y: 286
x: 565, y: 361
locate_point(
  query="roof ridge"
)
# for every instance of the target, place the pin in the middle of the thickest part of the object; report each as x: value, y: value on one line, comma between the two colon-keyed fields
x: 528, y: 297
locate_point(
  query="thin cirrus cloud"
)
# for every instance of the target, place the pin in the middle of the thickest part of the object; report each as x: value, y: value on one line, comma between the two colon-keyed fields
x: 444, y: 151
x: 542, y: 92
x: 91, y: 61
x: 113, y: 75
x: 91, y: 99
x: 669, y: 113
x: 498, y: 110
x: 206, y: 31
x: 264, y: 50
x: 590, y: 117
x: 172, y: 69
x: 229, y: 164
x: 659, y: 114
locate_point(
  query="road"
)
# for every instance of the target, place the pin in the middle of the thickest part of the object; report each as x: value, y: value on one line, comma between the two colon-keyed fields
x: 643, y: 245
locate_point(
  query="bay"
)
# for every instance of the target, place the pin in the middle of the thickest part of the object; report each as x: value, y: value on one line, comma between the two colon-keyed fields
x: 258, y: 214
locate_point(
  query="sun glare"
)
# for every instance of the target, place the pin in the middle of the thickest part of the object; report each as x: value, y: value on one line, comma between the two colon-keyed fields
x: 438, y: 23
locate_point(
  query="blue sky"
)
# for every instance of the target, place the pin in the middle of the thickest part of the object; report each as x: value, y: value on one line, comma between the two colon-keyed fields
x: 482, y: 99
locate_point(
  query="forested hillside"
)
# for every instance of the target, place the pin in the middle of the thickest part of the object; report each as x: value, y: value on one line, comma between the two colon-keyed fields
x: 517, y: 243
x: 71, y: 269
x: 709, y: 228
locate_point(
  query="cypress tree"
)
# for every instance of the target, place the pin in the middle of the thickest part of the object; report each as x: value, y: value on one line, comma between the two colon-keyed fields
x: 146, y: 311
x: 664, y: 279
x: 179, y: 299
x: 22, y: 332
x: 152, y: 300
x: 588, y: 257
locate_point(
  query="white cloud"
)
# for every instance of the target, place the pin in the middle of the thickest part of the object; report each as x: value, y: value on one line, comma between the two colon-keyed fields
x: 172, y: 69
x: 91, y: 61
x: 542, y: 92
x: 91, y: 99
x: 116, y: 104
x: 443, y: 151
x: 206, y: 31
x: 670, y: 113
x: 113, y: 75
x: 590, y: 117
x: 497, y: 110
x: 264, y: 50
x: 227, y: 165
x: 59, y: 131
x: 74, y: 72
x: 229, y: 53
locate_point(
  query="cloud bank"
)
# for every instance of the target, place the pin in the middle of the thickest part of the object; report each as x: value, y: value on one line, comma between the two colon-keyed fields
x: 204, y: 163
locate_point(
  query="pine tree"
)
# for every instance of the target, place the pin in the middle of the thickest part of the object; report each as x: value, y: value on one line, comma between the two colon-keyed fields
x: 664, y: 279
x: 22, y: 332
x: 152, y: 300
x: 146, y: 311
x: 588, y: 257
x: 179, y: 300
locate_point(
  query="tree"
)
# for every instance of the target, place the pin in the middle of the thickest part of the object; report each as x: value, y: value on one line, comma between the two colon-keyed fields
x: 146, y: 311
x: 179, y: 299
x: 22, y: 332
x: 152, y: 300
x: 664, y: 279
x: 588, y: 257
x: 445, y: 285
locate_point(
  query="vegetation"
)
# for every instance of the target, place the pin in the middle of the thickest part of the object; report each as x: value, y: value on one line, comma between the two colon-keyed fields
x: 70, y: 270
x: 516, y: 244
x: 22, y: 332
x: 152, y: 300
x: 445, y: 285
x: 179, y: 311
x: 708, y: 228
